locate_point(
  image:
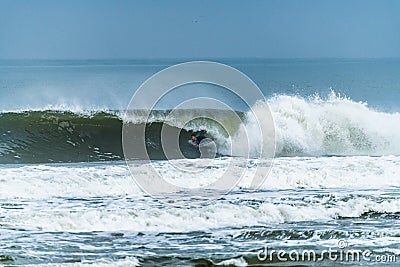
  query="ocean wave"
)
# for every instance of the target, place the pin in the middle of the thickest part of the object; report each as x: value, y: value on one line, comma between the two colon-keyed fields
x: 303, y: 127
x: 334, y: 126
x: 220, y: 215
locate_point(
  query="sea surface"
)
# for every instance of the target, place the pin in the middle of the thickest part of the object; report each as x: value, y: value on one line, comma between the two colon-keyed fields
x: 67, y: 197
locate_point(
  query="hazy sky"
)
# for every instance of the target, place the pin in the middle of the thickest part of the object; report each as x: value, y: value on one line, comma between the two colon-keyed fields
x: 199, y: 29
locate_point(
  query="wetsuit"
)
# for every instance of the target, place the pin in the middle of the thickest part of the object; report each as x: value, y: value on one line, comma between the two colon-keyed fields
x: 199, y: 139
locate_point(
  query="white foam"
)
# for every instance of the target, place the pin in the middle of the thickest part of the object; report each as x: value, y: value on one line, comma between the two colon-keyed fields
x: 218, y: 215
x: 334, y: 172
x: 47, y: 181
x: 73, y: 108
x: 113, y: 184
x: 72, y: 180
x: 127, y: 262
x: 336, y: 126
x: 239, y: 262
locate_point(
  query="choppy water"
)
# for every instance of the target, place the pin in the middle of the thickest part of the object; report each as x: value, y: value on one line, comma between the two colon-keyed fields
x: 336, y: 178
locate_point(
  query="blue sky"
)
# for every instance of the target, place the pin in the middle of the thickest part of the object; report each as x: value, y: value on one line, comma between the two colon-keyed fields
x: 73, y: 29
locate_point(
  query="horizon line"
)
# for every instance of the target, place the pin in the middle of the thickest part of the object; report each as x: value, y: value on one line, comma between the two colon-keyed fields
x: 196, y: 58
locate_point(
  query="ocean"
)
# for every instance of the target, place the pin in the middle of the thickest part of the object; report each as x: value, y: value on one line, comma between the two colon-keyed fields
x: 67, y: 196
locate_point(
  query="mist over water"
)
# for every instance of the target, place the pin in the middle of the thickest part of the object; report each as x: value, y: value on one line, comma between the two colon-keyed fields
x: 109, y: 84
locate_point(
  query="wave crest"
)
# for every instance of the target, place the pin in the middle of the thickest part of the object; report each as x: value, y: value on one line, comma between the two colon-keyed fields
x: 335, y: 126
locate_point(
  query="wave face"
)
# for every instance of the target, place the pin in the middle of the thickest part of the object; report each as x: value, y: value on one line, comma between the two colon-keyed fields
x: 53, y: 136
x: 58, y: 136
x: 303, y: 127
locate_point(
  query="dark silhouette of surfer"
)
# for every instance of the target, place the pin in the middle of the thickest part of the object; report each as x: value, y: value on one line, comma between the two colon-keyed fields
x: 197, y: 139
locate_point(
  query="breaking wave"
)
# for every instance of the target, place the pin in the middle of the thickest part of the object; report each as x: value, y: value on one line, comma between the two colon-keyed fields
x: 303, y: 127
